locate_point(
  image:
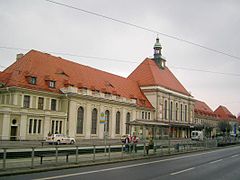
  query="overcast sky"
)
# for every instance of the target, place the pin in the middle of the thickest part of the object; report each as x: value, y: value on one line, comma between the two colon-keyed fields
x: 44, y: 26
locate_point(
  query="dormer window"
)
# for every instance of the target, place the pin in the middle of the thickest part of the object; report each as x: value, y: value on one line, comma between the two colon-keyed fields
x: 52, y: 84
x: 32, y: 80
x: 163, y: 64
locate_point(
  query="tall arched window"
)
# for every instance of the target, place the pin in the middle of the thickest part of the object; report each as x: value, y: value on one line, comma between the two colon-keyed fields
x: 186, y: 113
x: 165, y: 109
x: 181, y: 112
x: 127, y: 123
x: 80, y: 117
x: 117, y: 130
x: 176, y: 115
x: 94, y: 121
x: 107, y: 118
x: 171, y: 110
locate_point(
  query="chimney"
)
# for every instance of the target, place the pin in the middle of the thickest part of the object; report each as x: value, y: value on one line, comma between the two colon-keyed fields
x: 20, y: 55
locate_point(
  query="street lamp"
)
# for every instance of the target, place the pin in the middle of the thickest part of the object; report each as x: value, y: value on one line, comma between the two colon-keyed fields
x: 169, y: 124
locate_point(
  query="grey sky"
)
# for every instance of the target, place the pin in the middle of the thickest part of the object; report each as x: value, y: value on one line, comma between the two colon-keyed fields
x: 44, y: 26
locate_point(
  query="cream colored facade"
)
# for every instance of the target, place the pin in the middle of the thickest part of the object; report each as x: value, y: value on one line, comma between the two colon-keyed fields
x: 173, y: 113
x: 15, y: 119
x: 203, y: 122
x: 32, y: 123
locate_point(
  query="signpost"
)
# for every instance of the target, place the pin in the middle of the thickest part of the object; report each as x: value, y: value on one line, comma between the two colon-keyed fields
x: 104, y: 121
x: 102, y: 118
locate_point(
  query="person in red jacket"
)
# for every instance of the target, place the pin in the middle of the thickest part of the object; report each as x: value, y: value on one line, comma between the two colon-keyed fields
x: 134, y: 142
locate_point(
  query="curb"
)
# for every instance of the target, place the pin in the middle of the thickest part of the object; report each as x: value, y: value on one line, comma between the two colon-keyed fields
x: 12, y: 172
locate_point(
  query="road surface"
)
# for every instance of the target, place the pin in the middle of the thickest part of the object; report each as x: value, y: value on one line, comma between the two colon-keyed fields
x: 220, y: 164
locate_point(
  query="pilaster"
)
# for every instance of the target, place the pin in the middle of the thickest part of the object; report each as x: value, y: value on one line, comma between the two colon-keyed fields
x: 23, y: 127
x: 6, y: 126
x: 88, y: 121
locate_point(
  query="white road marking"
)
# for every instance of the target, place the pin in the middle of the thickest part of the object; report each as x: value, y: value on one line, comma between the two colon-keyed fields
x: 125, y: 167
x: 178, y: 172
x: 215, y: 161
x: 236, y: 155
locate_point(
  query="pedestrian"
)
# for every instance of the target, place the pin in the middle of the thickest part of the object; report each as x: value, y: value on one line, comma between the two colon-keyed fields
x: 134, y: 142
x: 149, y: 144
x: 127, y: 143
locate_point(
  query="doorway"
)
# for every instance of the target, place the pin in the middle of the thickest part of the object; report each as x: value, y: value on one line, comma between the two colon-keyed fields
x: 13, y: 136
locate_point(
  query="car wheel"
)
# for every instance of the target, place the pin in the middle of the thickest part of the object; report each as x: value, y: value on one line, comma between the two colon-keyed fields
x: 72, y: 142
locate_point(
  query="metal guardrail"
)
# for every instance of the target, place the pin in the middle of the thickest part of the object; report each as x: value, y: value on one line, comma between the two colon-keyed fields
x: 36, y: 157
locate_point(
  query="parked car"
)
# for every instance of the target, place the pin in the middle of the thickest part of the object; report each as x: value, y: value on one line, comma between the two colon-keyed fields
x: 197, y: 135
x: 60, y: 139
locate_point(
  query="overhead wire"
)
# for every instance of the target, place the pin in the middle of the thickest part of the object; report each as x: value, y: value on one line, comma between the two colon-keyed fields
x: 121, y: 61
x: 146, y: 29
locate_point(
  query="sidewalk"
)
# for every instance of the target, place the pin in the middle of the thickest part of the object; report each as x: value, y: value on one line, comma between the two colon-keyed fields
x: 59, y: 159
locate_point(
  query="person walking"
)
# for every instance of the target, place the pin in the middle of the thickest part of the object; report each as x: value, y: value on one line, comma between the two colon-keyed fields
x: 134, y: 142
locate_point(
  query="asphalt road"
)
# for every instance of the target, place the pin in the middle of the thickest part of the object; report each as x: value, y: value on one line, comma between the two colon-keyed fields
x: 221, y: 164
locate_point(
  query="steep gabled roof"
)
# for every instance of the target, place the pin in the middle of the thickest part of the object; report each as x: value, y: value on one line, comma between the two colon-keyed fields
x: 224, y: 113
x: 47, y: 67
x: 149, y: 74
x: 201, y: 108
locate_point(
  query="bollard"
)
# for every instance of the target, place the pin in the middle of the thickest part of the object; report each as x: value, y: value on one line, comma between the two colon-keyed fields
x: 94, y: 152
x: 144, y: 148
x: 4, y: 158
x: 130, y: 147
x: 76, y: 154
x: 32, y: 162
x: 109, y: 152
x: 161, y: 146
x: 133, y: 149
x: 155, y: 147
x: 169, y: 149
x: 56, y: 154
x: 122, y: 152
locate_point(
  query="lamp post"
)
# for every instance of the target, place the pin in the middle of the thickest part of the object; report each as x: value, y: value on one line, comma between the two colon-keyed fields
x: 169, y: 128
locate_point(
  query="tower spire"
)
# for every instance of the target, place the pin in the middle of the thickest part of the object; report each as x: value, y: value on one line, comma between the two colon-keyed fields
x: 160, y: 61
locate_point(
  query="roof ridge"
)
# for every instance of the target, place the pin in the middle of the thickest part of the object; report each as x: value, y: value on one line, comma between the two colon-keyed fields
x: 72, y: 62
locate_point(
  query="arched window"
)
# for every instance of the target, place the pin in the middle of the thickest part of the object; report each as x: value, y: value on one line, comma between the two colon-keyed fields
x: 181, y: 112
x: 176, y: 112
x: 127, y: 123
x: 186, y: 113
x: 117, y: 130
x: 107, y: 118
x: 165, y: 109
x: 171, y: 110
x: 94, y: 121
x: 80, y: 117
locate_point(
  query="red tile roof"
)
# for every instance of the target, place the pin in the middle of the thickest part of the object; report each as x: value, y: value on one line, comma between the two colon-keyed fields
x: 149, y: 74
x: 224, y: 113
x: 47, y: 67
x: 4, y: 77
x: 201, y: 108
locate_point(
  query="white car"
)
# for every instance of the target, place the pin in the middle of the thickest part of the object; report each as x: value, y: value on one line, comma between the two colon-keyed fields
x: 197, y: 135
x: 60, y: 139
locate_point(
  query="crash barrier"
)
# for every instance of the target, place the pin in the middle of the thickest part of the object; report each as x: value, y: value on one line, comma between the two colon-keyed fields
x: 37, y: 157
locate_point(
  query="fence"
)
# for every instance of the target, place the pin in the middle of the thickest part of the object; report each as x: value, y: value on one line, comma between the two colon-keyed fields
x: 40, y: 157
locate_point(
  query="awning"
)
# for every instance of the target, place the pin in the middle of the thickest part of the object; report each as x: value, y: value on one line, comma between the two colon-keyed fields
x: 147, y: 123
x: 159, y: 123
